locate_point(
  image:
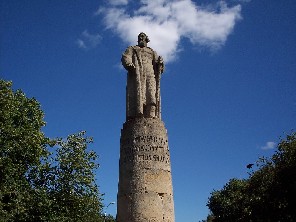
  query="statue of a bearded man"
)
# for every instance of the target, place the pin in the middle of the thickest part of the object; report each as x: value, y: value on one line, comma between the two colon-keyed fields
x: 143, y: 80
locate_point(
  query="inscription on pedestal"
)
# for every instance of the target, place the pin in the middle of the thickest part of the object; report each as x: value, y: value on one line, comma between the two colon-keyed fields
x: 144, y: 140
x: 145, y: 148
x: 145, y: 189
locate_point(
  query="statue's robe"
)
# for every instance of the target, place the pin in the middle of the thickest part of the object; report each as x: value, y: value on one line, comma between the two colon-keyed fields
x: 141, y: 82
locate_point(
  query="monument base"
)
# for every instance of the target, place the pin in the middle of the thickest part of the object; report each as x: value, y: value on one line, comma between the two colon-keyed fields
x: 145, y: 184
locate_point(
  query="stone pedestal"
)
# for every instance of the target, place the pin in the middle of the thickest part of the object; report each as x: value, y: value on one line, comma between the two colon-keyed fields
x: 145, y: 191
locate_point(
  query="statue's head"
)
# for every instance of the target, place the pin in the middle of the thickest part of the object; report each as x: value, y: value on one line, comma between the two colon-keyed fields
x: 143, y: 39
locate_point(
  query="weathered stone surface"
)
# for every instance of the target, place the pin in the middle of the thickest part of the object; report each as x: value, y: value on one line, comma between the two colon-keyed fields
x: 145, y: 190
x: 145, y: 185
x: 143, y: 79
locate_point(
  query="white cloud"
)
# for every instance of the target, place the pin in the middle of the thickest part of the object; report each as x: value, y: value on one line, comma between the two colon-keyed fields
x: 81, y: 44
x: 88, y: 41
x: 167, y: 21
x: 118, y: 2
x: 269, y: 146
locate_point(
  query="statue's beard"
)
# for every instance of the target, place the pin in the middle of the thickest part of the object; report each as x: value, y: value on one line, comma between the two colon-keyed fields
x: 141, y: 43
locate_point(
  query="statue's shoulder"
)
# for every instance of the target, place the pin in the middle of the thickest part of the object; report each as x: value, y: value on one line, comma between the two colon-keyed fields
x: 150, y: 49
x: 129, y: 50
x: 133, y: 48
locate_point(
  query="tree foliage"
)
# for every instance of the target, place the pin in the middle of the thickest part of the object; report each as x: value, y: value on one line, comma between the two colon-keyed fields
x: 22, y: 144
x: 269, y: 194
x: 109, y: 218
x: 43, y: 179
x: 66, y: 181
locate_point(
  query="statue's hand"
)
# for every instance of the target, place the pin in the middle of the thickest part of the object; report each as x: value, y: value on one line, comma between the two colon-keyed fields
x: 130, y: 67
x: 160, y: 60
x: 160, y: 64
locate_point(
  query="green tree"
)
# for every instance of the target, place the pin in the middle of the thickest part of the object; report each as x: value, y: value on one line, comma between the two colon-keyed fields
x: 109, y: 218
x: 268, y: 194
x: 43, y: 179
x: 22, y: 145
x: 273, y: 186
x: 228, y: 204
x: 65, y: 182
x: 74, y: 190
x: 210, y: 218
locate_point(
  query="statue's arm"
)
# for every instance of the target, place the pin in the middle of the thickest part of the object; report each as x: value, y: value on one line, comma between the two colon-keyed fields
x: 158, y: 63
x: 127, y: 59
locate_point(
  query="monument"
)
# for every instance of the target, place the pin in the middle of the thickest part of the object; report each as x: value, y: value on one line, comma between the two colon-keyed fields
x: 145, y: 192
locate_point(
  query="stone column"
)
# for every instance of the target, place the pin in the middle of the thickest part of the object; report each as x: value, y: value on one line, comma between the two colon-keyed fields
x: 145, y: 190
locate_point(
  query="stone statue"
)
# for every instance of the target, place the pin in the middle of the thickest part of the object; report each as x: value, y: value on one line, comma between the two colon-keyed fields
x: 143, y: 80
x: 145, y: 190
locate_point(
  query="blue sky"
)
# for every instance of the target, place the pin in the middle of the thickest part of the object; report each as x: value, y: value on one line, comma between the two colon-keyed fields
x: 228, y: 92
